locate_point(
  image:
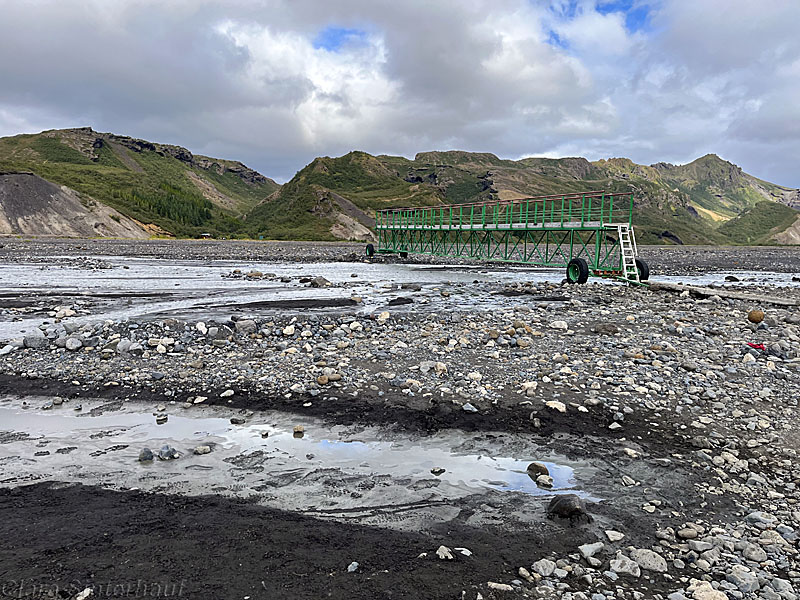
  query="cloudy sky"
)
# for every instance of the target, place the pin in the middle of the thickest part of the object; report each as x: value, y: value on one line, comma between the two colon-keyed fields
x: 274, y: 83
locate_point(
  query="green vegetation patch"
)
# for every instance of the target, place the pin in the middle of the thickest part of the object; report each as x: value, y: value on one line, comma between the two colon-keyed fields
x: 758, y: 224
x: 54, y: 150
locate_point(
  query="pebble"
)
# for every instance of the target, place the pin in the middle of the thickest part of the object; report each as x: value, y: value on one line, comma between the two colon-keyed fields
x: 614, y: 536
x: 167, y: 452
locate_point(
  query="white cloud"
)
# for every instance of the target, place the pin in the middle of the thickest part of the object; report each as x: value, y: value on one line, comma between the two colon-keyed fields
x: 332, y: 92
x: 596, y: 36
x: 243, y: 78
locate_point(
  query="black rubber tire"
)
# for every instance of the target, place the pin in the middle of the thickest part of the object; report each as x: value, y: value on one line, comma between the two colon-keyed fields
x: 404, y: 255
x: 644, y: 270
x: 370, y: 250
x: 577, y: 271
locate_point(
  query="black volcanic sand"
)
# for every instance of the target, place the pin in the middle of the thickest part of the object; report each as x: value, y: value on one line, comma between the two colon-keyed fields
x: 75, y: 536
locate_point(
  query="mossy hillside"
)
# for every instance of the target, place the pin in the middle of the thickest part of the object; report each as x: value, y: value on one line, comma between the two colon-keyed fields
x: 759, y: 224
x: 158, y: 192
x: 293, y: 213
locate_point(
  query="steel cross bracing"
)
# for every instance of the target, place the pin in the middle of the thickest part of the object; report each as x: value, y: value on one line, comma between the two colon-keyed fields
x: 548, y: 231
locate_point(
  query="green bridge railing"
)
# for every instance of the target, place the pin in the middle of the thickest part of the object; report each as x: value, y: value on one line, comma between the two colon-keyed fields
x: 566, y: 211
x: 589, y: 233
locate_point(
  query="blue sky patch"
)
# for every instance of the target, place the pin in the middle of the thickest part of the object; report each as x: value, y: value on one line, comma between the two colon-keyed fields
x: 556, y: 40
x: 636, y: 13
x: 332, y: 38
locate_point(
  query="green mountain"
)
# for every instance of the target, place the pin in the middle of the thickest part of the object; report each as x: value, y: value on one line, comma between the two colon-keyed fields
x: 337, y: 198
x: 166, y: 189
x: 115, y: 185
x: 708, y: 201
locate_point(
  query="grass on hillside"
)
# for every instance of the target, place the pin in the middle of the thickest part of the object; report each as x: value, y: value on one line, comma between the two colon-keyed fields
x: 161, y: 194
x: 756, y: 225
x: 295, y: 215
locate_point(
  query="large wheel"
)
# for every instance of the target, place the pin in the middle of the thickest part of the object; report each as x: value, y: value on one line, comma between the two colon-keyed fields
x: 370, y: 250
x: 577, y: 271
x: 644, y: 270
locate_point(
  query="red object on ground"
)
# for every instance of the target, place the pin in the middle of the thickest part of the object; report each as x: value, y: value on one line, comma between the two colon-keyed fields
x: 757, y: 346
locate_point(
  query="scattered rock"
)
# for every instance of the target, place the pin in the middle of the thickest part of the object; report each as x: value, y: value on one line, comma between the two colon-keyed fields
x: 649, y: 560
x: 501, y: 587
x: 319, y: 282
x: 536, y: 468
x: 622, y: 565
x: 544, y: 567
x: 589, y: 550
x: 72, y: 344
x: 444, y: 553
x: 568, y: 506
x: 167, y: 452
x: 614, y: 536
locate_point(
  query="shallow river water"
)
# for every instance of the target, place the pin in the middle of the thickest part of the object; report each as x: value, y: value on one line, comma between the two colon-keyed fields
x: 137, y: 288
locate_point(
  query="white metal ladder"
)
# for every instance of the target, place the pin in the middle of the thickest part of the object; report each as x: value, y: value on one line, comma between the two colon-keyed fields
x: 627, y: 245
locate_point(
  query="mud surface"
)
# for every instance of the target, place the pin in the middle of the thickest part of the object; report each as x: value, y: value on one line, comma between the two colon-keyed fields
x: 128, y: 543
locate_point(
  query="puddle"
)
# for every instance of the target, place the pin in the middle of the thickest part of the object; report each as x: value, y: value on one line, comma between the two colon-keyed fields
x: 398, y: 458
x: 329, y: 471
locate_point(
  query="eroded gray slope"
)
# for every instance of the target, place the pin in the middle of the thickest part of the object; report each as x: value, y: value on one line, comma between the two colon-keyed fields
x: 30, y: 205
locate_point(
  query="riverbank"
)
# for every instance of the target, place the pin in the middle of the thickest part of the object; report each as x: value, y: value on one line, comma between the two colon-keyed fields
x: 673, y: 417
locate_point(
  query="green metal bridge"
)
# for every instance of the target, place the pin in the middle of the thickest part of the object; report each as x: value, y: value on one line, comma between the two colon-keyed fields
x: 588, y: 234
